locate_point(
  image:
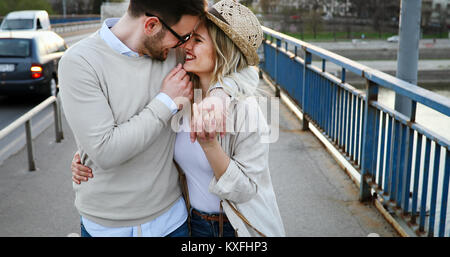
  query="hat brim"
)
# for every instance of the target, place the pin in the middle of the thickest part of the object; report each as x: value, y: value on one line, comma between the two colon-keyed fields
x: 250, y: 54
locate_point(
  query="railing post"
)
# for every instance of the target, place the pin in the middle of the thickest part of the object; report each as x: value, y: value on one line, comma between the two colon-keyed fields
x: 368, y: 143
x: 61, y: 132
x: 262, y: 56
x: 31, y: 164
x: 277, y: 86
x: 58, y: 122
x: 308, y: 60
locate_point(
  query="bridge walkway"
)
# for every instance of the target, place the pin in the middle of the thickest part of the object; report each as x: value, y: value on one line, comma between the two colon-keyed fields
x: 315, y: 195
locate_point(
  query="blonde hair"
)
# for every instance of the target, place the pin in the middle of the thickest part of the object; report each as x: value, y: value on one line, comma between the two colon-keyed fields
x: 228, y: 60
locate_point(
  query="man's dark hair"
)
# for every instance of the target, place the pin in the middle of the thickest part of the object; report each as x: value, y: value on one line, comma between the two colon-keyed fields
x: 168, y: 10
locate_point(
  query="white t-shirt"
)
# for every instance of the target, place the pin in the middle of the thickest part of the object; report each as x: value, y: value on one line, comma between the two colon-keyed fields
x: 193, y: 161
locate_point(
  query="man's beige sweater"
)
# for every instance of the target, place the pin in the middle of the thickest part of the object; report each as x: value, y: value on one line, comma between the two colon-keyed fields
x: 122, y: 131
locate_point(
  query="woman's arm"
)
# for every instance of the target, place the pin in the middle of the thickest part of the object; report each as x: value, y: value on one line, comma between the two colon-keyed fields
x: 217, y: 158
x: 205, y: 126
x: 235, y: 176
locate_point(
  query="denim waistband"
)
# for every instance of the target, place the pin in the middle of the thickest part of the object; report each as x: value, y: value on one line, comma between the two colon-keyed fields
x: 206, y: 213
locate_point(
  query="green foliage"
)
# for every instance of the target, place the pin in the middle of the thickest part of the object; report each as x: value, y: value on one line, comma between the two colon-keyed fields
x: 246, y: 2
x: 339, y: 36
x: 267, y: 6
x: 324, y: 36
x: 7, y: 6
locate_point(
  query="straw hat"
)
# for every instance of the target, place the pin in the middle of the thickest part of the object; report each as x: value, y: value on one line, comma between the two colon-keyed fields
x: 240, y: 25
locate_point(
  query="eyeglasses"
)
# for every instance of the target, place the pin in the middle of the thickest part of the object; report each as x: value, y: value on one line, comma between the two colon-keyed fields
x: 181, y: 39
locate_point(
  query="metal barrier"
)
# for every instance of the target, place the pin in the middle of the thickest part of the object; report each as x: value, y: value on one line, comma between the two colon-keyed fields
x: 58, y: 19
x: 379, y: 142
x: 26, y: 119
x: 75, y: 26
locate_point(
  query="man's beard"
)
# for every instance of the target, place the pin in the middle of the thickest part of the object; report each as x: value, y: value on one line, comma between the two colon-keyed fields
x: 152, y: 45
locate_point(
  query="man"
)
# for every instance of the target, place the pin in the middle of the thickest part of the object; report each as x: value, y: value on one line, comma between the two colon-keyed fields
x: 118, y: 90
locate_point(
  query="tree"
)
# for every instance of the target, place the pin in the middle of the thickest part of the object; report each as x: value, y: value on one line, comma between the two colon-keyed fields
x: 378, y: 16
x: 442, y: 19
x: 79, y: 6
x: 315, y: 16
x: 427, y: 10
x: 246, y: 2
x: 378, y: 12
x: 267, y: 6
x: 7, y: 6
x: 360, y: 8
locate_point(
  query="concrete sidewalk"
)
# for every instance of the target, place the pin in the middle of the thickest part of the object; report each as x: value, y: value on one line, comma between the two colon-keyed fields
x: 315, y: 196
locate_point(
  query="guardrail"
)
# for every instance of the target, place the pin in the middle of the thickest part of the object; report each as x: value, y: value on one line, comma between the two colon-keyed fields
x: 26, y: 120
x: 383, y: 145
x: 57, y: 19
x: 75, y: 26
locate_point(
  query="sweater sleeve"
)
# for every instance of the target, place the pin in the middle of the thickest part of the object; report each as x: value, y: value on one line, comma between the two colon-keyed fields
x: 247, y: 163
x: 91, y: 119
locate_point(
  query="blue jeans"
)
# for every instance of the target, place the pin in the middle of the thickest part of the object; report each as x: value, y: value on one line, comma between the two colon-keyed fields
x: 205, y: 228
x: 84, y: 232
x: 181, y: 231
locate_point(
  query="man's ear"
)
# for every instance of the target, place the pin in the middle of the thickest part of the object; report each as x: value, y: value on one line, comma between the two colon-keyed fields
x: 151, y: 25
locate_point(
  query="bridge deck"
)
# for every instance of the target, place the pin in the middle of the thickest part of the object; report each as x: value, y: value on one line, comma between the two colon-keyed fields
x: 315, y: 196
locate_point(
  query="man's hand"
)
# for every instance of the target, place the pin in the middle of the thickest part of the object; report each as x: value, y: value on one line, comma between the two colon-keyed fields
x: 80, y: 172
x: 177, y: 85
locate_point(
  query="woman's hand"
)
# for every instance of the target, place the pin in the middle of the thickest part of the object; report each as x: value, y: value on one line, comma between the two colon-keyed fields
x: 220, y: 101
x: 204, y: 125
x: 79, y: 171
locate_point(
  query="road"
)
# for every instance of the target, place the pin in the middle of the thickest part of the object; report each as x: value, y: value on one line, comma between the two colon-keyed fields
x: 12, y: 107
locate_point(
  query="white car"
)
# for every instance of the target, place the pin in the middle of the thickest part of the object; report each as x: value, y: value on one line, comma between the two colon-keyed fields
x: 26, y: 20
x: 393, y: 39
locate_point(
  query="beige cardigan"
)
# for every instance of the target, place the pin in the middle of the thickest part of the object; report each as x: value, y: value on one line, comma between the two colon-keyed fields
x: 247, y: 183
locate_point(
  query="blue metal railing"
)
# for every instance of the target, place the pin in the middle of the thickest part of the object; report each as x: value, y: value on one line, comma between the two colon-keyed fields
x: 59, y: 20
x: 397, y: 158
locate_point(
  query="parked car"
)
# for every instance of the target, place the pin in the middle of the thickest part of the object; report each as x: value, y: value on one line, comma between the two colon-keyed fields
x: 393, y: 39
x: 26, y: 20
x: 29, y: 62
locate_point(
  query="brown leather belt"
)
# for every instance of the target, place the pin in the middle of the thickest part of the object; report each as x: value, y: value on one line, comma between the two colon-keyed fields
x: 214, y: 217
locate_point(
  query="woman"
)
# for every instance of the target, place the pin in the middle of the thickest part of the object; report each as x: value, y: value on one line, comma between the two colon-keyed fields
x: 228, y: 181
